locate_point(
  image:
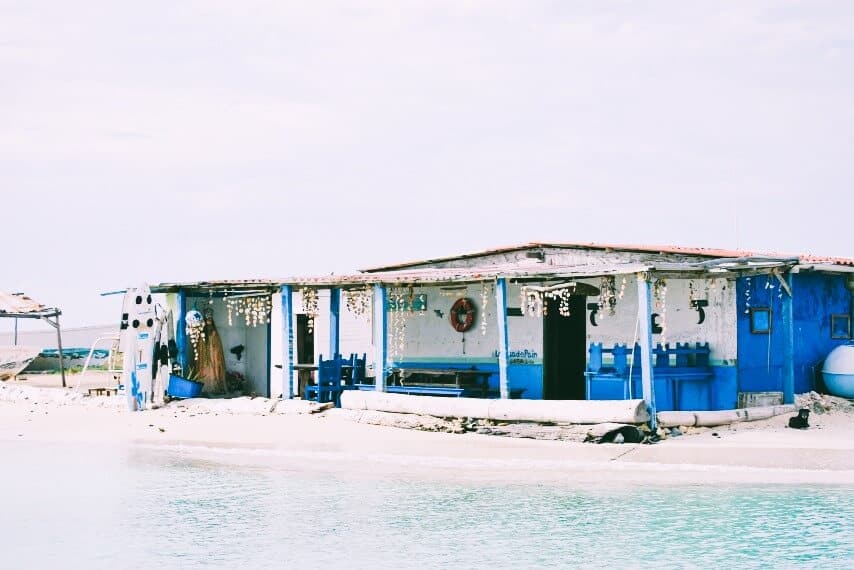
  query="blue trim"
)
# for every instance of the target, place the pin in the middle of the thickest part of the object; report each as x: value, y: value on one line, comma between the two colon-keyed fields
x: 287, y: 341
x: 503, y: 344
x: 380, y: 325
x: 269, y: 359
x: 334, y: 322
x: 788, y: 344
x: 645, y: 338
x: 181, y: 332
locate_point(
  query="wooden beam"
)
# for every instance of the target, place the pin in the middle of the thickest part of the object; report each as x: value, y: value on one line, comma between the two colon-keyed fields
x: 287, y: 342
x: 380, y: 325
x: 788, y: 344
x: 503, y: 339
x: 645, y: 337
x: 334, y: 322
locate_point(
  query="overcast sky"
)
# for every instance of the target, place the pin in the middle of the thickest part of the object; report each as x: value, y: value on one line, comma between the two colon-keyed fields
x: 174, y: 140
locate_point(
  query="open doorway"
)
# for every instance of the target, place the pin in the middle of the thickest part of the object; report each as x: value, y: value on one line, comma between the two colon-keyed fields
x: 565, y: 350
x: 305, y: 352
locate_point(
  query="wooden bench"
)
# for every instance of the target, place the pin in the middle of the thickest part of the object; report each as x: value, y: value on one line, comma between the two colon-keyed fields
x: 103, y: 391
x: 427, y: 390
x: 691, y: 365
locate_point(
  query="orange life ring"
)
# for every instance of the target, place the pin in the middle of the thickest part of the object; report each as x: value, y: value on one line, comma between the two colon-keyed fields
x: 462, y: 315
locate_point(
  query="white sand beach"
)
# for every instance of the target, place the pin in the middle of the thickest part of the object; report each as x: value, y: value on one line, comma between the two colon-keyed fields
x: 284, y: 434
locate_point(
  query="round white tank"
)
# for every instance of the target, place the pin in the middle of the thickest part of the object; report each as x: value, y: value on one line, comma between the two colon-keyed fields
x: 838, y: 371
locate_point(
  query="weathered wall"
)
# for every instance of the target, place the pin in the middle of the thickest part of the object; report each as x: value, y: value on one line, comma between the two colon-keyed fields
x: 817, y: 296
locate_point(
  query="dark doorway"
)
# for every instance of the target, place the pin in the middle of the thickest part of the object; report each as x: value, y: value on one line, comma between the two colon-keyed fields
x: 565, y: 350
x: 305, y: 352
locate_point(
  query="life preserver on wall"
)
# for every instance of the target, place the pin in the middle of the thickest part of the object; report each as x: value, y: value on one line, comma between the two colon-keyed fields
x: 462, y: 315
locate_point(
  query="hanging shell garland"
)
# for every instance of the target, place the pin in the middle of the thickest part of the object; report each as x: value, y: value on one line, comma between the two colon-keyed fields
x: 485, y: 292
x: 195, y: 328
x: 358, y: 301
x: 659, y: 292
x: 608, y: 295
x: 310, y: 306
x: 255, y: 309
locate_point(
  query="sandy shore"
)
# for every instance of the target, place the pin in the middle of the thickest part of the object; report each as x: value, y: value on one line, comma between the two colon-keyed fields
x: 246, y: 431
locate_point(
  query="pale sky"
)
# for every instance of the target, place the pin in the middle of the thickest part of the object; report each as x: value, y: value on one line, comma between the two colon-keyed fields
x: 175, y: 140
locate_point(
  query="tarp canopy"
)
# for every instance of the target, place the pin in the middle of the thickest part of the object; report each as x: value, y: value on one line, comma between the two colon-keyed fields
x: 19, y: 306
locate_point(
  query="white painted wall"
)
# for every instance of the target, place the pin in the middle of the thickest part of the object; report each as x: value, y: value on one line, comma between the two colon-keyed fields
x: 679, y: 320
x: 253, y: 362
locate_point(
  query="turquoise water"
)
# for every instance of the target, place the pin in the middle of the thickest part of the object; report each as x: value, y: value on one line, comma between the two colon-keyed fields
x: 102, y: 507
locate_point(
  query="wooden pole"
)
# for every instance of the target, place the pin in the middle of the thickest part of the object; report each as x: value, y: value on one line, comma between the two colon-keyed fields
x: 181, y: 332
x: 287, y: 341
x: 59, y: 346
x: 334, y: 322
x: 645, y: 338
x: 788, y: 344
x: 380, y: 325
x: 503, y: 342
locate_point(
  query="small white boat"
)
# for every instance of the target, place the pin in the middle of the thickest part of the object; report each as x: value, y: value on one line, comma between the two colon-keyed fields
x: 13, y: 359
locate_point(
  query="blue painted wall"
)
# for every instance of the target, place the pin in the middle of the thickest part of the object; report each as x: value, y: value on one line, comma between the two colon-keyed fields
x: 760, y: 356
x: 720, y: 393
x: 817, y: 296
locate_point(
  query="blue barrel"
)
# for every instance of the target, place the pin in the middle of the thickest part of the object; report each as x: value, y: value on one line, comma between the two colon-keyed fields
x: 182, y: 388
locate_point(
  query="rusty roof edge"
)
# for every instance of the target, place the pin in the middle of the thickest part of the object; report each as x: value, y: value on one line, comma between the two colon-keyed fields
x: 709, y: 252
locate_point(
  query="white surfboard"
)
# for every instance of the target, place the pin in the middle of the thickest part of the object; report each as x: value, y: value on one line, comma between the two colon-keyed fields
x: 137, y: 343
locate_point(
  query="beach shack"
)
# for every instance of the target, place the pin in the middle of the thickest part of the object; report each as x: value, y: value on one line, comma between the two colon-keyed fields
x: 681, y: 328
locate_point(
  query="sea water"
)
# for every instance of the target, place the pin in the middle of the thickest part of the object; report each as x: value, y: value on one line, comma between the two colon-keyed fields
x: 74, y: 506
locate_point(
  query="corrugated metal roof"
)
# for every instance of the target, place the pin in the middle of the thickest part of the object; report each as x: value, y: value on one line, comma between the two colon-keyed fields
x: 711, y: 253
x: 438, y: 276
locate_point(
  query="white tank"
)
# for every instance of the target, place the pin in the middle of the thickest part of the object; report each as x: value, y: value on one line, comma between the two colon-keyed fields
x: 838, y: 371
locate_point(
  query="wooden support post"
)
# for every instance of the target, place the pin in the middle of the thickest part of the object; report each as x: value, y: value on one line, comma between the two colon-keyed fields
x: 181, y: 332
x: 503, y: 343
x: 380, y: 324
x: 788, y: 344
x: 334, y: 322
x: 59, y: 346
x: 645, y: 338
x: 287, y: 342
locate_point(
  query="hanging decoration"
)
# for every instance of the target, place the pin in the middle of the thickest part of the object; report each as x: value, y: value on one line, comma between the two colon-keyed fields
x: 534, y: 299
x: 485, y: 291
x: 358, y: 301
x: 747, y: 286
x: 622, y: 292
x: 659, y: 293
x: 608, y: 295
x: 310, y: 306
x: 255, y: 309
x: 195, y: 327
x: 396, y: 327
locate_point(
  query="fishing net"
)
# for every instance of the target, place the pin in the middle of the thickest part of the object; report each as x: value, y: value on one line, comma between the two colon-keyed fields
x: 208, y: 358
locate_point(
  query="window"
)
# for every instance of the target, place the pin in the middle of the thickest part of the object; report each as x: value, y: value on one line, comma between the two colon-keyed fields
x: 760, y: 320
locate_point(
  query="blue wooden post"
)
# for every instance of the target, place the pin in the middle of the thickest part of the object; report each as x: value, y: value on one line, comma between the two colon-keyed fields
x: 287, y: 341
x: 380, y: 324
x: 334, y: 322
x: 645, y: 338
x: 181, y: 331
x: 788, y: 344
x: 503, y: 344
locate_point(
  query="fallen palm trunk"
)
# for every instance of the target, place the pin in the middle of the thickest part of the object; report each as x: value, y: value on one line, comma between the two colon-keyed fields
x: 543, y: 411
x: 720, y: 418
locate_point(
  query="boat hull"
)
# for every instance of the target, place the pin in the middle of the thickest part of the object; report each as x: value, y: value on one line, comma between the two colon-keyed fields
x: 13, y: 359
